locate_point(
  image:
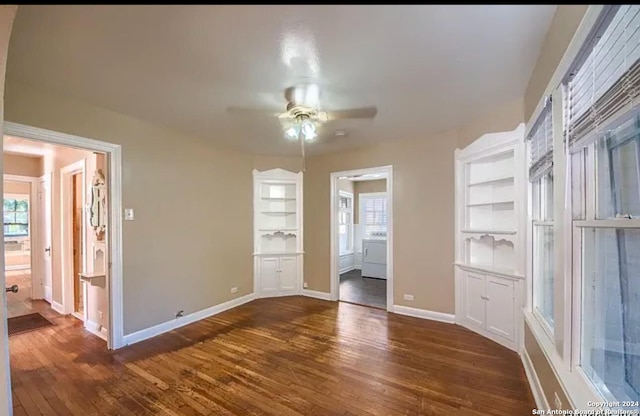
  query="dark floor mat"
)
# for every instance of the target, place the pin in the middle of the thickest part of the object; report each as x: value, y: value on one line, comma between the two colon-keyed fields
x: 26, y: 323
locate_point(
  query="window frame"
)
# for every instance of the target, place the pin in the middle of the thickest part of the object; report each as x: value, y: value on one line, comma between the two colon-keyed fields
x: 23, y: 197
x: 539, y: 198
x: 362, y: 211
x: 589, y: 187
x: 351, y: 226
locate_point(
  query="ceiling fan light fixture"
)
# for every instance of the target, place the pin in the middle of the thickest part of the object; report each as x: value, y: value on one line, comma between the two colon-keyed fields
x: 292, y: 133
x: 308, y: 130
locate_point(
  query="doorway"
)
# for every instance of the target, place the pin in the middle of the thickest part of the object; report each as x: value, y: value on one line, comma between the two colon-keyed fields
x: 77, y: 241
x: 362, y: 237
x: 79, y: 193
x: 19, y: 212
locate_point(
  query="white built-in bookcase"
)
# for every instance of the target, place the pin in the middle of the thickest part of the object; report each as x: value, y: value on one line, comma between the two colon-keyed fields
x: 490, y: 225
x: 277, y: 232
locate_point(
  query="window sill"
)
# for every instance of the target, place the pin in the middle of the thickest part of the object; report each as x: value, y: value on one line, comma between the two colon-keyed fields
x: 575, y: 386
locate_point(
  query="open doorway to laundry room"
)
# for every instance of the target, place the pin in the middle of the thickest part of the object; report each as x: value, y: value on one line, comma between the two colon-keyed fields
x: 361, y: 208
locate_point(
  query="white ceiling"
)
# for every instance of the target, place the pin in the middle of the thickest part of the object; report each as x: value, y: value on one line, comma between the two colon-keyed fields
x: 426, y: 68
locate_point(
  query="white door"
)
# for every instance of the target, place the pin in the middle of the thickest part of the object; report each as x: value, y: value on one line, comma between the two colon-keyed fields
x: 474, y: 298
x: 288, y: 273
x: 44, y: 236
x: 269, y: 275
x: 500, y: 307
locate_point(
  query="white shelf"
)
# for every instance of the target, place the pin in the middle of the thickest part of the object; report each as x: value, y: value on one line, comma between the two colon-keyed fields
x: 492, y: 270
x: 480, y: 204
x: 266, y: 198
x: 278, y: 212
x: 496, y: 232
x: 493, y: 181
x: 278, y: 253
x: 278, y: 230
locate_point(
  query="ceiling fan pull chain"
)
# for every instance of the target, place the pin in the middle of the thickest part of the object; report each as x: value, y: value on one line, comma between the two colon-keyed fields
x: 301, y: 139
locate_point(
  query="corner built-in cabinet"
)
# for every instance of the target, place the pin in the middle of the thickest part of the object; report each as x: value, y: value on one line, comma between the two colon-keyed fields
x: 277, y: 233
x: 490, y: 223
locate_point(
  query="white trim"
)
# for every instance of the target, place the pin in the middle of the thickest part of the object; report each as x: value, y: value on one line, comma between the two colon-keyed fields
x: 96, y: 329
x: 316, y: 294
x: 352, y: 236
x: 114, y: 231
x: 66, y: 229
x: 534, y: 381
x: 185, y: 320
x: 571, y: 53
x: 333, y: 229
x: 612, y: 223
x: 37, y: 290
x: 57, y: 307
x: 425, y: 314
x: 575, y: 388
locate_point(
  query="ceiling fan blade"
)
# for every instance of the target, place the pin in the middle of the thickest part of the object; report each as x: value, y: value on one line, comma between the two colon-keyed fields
x: 364, y: 112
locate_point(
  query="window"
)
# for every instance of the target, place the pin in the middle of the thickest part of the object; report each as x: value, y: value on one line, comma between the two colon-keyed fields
x: 610, y: 261
x: 541, y: 178
x: 16, y: 217
x: 345, y: 221
x: 373, y: 214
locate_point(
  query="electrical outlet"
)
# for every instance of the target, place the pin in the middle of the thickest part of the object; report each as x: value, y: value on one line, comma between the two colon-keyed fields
x: 179, y: 314
x: 128, y: 214
x: 408, y: 297
x: 304, y: 285
x: 234, y: 290
x: 556, y: 400
x: 100, y: 314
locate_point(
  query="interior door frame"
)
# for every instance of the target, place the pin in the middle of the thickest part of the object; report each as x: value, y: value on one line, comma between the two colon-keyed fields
x: 113, y: 154
x: 37, y: 290
x: 67, y: 174
x: 334, y: 199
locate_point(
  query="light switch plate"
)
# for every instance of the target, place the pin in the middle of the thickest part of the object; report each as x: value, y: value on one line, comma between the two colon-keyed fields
x: 128, y: 214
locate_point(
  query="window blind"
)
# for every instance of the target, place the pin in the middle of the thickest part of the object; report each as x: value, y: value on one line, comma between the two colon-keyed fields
x: 541, y: 144
x: 606, y: 82
x: 375, y: 216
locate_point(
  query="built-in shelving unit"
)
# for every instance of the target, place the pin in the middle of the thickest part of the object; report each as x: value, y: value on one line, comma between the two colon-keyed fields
x: 490, y: 216
x: 278, y: 232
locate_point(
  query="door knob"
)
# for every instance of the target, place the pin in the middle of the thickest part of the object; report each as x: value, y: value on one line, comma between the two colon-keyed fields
x: 13, y: 289
x: 47, y: 250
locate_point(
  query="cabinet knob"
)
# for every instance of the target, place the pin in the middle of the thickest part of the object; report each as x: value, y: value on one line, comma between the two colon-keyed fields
x: 484, y: 297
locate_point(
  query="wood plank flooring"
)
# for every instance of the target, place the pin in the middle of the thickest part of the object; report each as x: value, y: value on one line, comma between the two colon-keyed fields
x: 279, y: 356
x: 363, y: 290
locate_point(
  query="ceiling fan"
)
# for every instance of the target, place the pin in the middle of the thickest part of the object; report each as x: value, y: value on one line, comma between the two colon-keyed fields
x: 303, y: 114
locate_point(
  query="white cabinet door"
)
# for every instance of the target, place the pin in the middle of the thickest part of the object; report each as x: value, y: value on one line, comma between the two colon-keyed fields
x: 269, y: 282
x: 288, y: 274
x: 375, y: 252
x: 500, y: 296
x: 474, y: 298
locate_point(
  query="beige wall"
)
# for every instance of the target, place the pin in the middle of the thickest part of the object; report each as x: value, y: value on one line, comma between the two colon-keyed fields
x: 20, y: 188
x: 365, y: 187
x: 177, y: 184
x: 561, y: 31
x: 22, y: 165
x: 7, y: 14
x: 548, y: 380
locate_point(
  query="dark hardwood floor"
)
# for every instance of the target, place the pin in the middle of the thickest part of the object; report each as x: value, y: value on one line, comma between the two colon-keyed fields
x: 279, y: 356
x: 363, y: 290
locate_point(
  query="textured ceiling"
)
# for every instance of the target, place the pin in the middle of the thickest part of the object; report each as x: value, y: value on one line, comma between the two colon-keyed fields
x: 426, y: 68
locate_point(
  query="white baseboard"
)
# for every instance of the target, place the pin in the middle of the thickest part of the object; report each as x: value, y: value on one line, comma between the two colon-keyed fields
x: 58, y: 307
x: 346, y: 269
x: 17, y: 267
x: 425, y: 314
x: 534, y: 382
x: 316, y: 294
x: 96, y: 329
x: 185, y: 320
